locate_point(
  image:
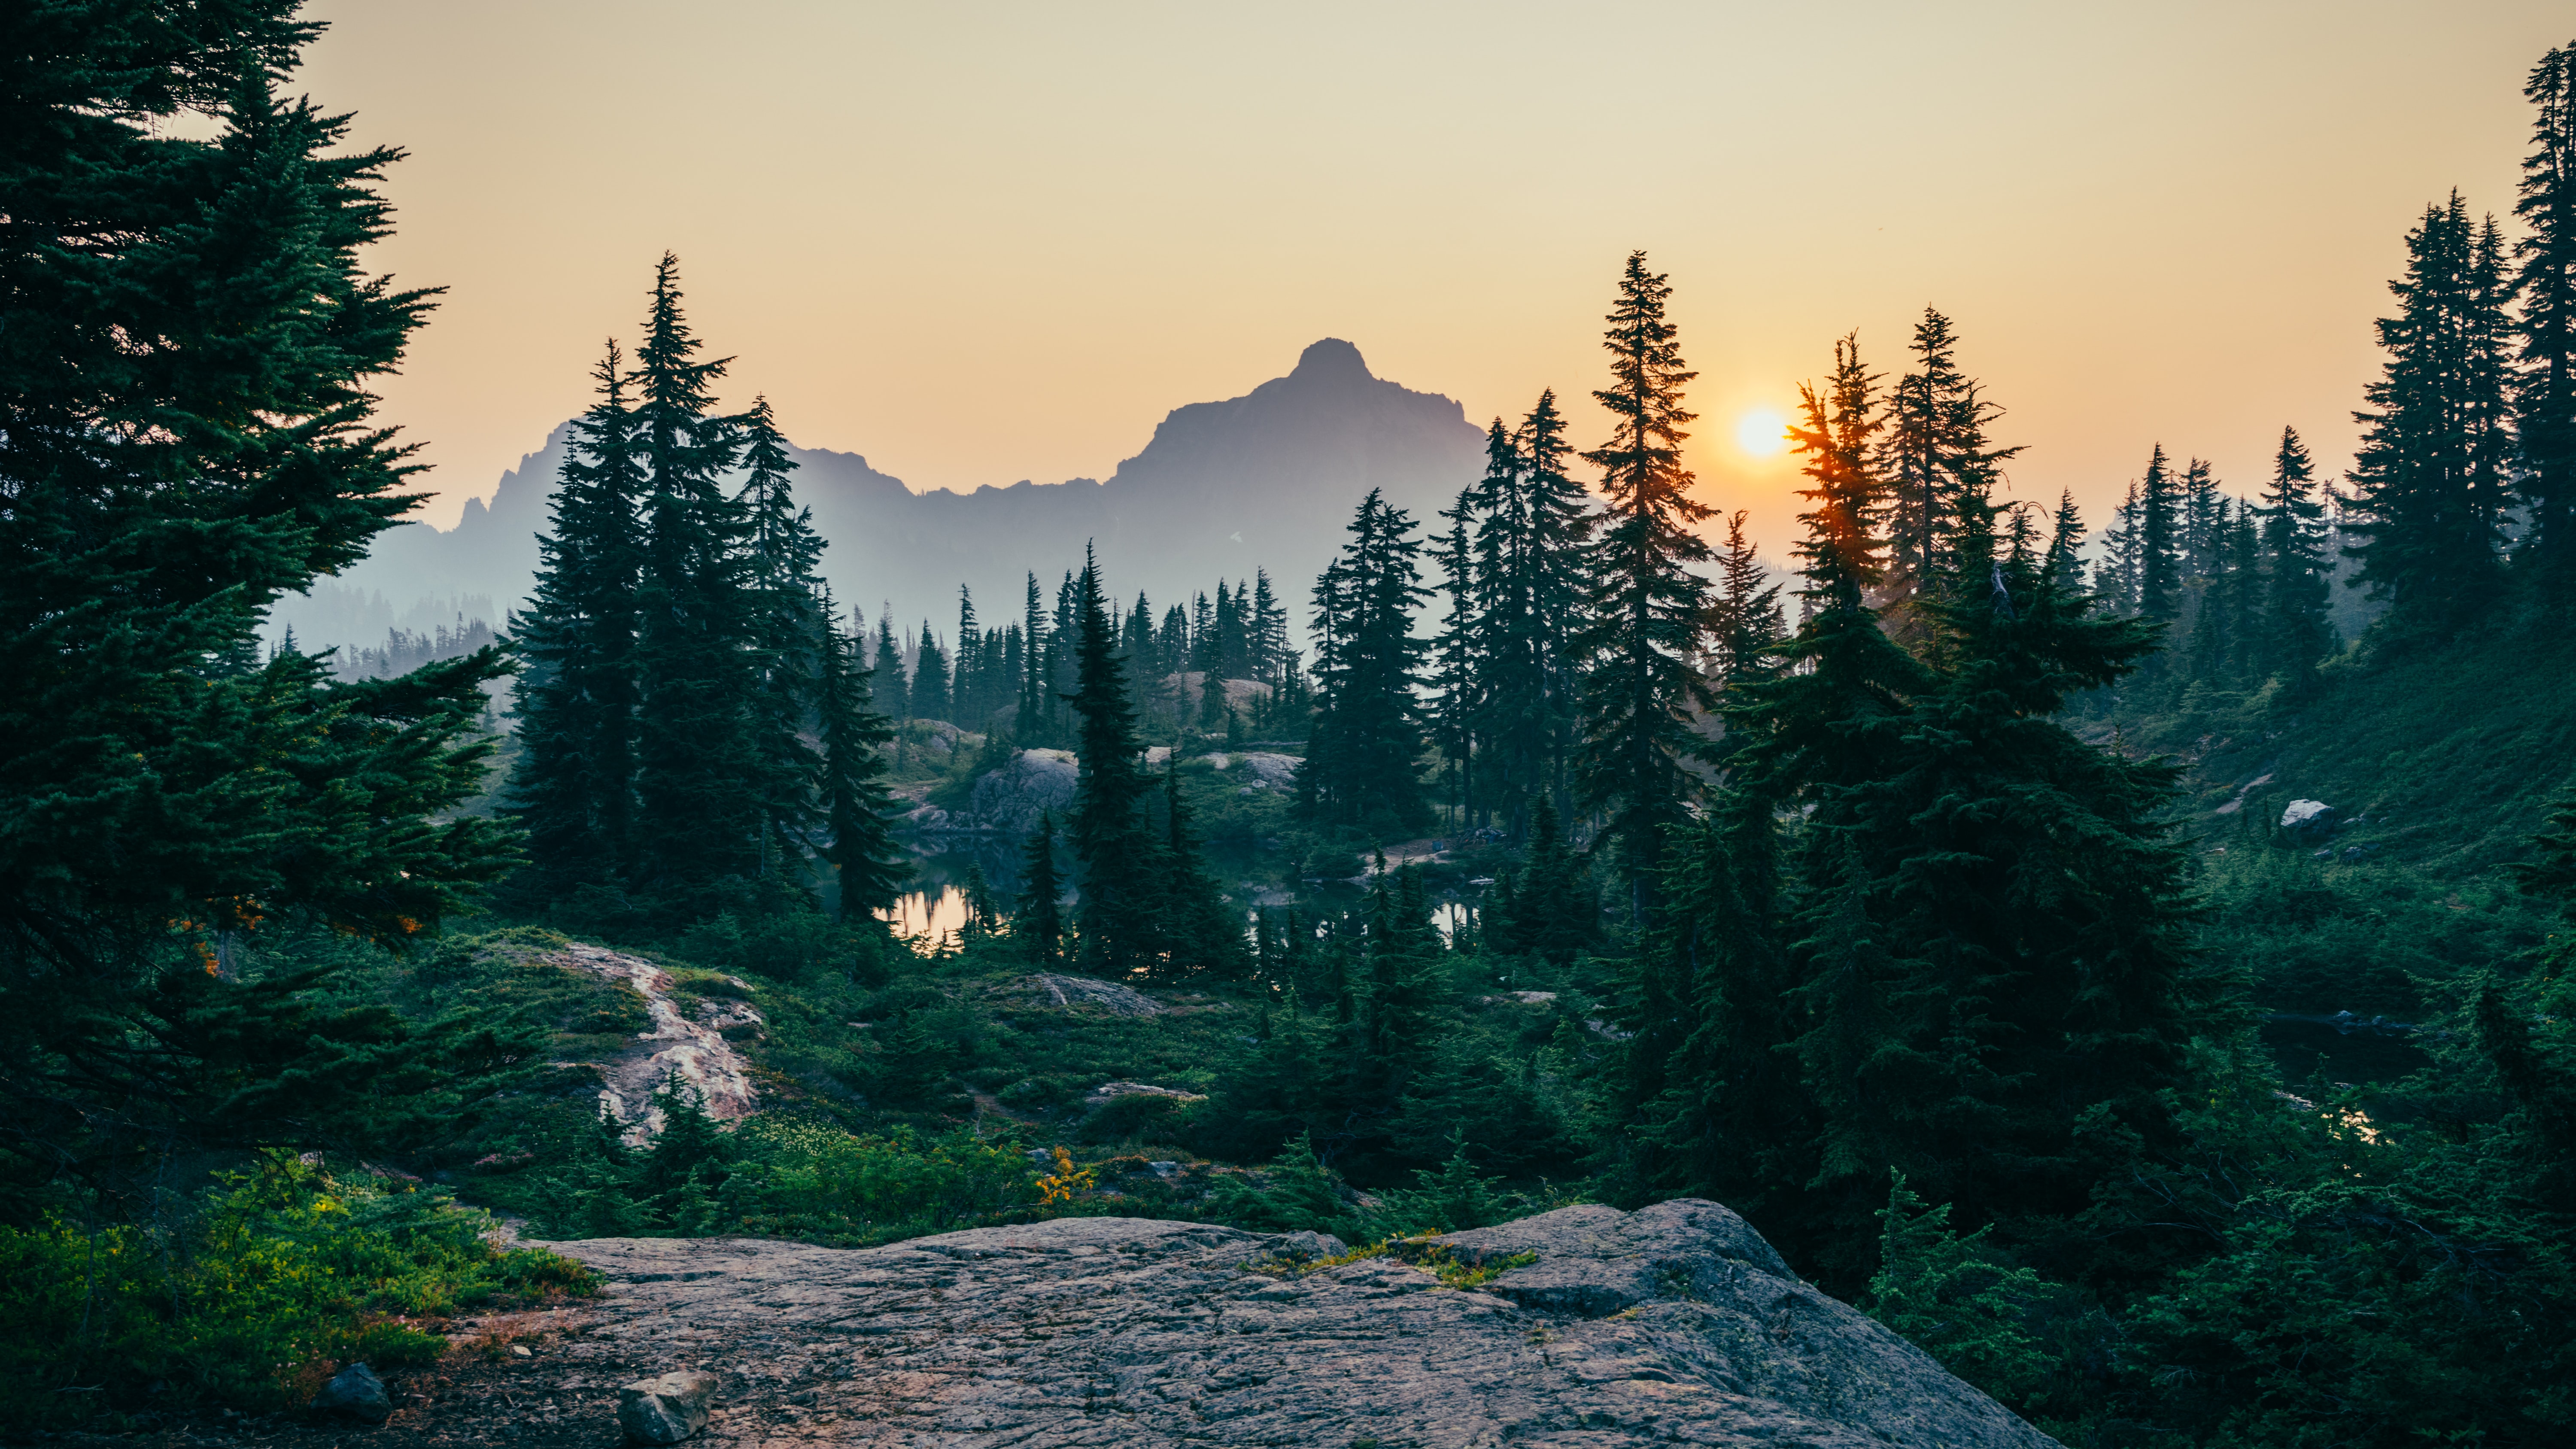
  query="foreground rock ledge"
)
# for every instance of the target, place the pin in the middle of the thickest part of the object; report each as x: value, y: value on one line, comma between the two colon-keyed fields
x: 1676, y: 1324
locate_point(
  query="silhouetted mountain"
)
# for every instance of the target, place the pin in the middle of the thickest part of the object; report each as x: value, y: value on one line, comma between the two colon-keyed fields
x: 1264, y: 480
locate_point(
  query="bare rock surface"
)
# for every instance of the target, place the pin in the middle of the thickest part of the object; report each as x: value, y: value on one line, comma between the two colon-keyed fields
x: 1110, y: 996
x: 1676, y: 1324
x: 696, y: 1049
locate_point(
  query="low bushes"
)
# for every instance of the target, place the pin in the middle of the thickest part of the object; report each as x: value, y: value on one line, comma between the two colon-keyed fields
x: 251, y: 1300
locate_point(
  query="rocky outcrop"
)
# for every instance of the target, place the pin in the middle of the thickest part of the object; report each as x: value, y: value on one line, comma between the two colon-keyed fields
x: 693, y: 1047
x: 1109, y: 996
x: 1594, y: 1328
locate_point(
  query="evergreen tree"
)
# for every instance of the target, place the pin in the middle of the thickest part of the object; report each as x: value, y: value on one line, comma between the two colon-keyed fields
x: 2431, y: 475
x: 1267, y: 630
x: 2545, y: 389
x: 1454, y: 662
x: 186, y: 435
x: 1532, y: 546
x: 1956, y: 1011
x: 965, y: 689
x: 930, y: 692
x: 786, y: 640
x: 1549, y: 907
x: 1198, y: 933
x: 1039, y: 924
x: 2297, y: 571
x: 1646, y: 607
x: 1366, y: 742
x: 2158, y: 527
x: 1035, y: 724
x: 1932, y: 452
x: 851, y: 793
x: 573, y: 787
x: 890, y: 687
x: 697, y: 765
x: 1111, y: 838
x: 1745, y: 619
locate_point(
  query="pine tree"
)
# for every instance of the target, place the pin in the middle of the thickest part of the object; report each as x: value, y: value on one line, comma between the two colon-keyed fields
x: 1268, y: 630
x: 2545, y: 389
x: 966, y: 691
x: 1198, y: 934
x: 2297, y: 571
x: 1110, y: 836
x: 697, y: 766
x: 851, y: 793
x: 786, y: 640
x: 1932, y: 454
x: 1035, y: 724
x: 1454, y: 658
x: 1039, y: 924
x: 890, y: 686
x: 2159, y: 528
x: 573, y: 787
x: 931, y: 698
x: 2431, y: 477
x: 1366, y: 742
x: 1531, y: 556
x: 187, y: 434
x: 1646, y: 606
x: 1745, y: 619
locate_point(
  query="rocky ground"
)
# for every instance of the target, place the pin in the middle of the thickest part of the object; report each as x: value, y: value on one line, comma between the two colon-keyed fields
x: 1589, y: 1328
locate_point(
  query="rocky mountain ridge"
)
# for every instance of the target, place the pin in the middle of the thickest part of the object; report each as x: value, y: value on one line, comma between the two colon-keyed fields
x: 1266, y: 480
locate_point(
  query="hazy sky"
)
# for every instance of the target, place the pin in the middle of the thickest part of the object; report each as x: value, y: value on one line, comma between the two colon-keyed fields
x: 992, y: 241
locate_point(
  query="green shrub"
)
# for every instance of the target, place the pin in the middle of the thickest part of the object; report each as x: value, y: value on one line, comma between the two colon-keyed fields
x: 278, y: 1279
x: 804, y: 1179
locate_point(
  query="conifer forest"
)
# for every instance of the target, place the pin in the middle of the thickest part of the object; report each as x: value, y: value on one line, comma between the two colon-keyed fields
x: 2126, y: 956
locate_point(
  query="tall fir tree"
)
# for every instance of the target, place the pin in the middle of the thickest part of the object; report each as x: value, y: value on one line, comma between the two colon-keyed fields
x: 965, y: 689
x: 1035, y: 723
x: 573, y: 785
x: 783, y: 555
x: 1454, y: 672
x: 1745, y: 619
x: 1532, y: 546
x: 2431, y: 479
x: 1366, y: 743
x: 2545, y: 388
x: 1110, y: 835
x: 851, y: 795
x: 697, y: 762
x: 1038, y: 925
x: 1267, y: 630
x: 2159, y: 527
x: 187, y: 434
x: 1647, y: 606
x: 2298, y: 572
x: 891, y: 685
x: 931, y: 698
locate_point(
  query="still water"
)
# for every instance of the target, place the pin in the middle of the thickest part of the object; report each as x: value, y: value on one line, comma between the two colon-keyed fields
x: 936, y: 910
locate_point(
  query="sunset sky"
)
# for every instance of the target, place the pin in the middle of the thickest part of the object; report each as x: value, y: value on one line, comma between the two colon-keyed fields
x: 981, y: 243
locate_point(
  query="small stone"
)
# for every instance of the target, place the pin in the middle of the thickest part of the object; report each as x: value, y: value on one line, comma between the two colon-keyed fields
x: 665, y: 1410
x: 520, y: 1350
x: 1298, y: 1247
x: 355, y: 1393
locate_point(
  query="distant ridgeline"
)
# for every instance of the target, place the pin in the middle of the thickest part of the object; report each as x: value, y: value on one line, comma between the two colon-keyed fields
x: 1263, y: 480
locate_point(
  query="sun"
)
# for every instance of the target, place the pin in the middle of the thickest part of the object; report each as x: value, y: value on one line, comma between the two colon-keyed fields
x: 1762, y: 432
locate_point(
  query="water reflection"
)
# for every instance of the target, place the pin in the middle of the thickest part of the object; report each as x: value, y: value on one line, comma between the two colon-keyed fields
x: 933, y: 912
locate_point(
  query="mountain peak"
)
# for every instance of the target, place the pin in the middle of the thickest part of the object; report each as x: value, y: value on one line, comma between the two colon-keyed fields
x: 1331, y: 357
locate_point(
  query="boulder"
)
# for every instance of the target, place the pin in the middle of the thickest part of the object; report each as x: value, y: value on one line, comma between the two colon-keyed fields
x: 665, y: 1410
x: 1675, y: 1324
x: 355, y: 1393
x: 1009, y: 800
x: 1268, y: 771
x: 1108, y: 1092
x: 2307, y: 815
x: 1110, y: 996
